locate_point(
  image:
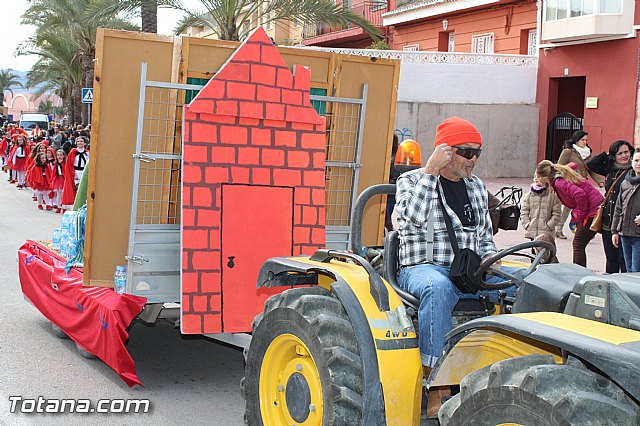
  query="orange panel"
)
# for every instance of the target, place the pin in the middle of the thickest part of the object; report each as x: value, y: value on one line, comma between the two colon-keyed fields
x: 257, y: 223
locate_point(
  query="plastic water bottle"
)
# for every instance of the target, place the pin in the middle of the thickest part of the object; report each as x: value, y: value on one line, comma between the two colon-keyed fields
x: 71, y: 250
x: 120, y: 280
x: 64, y: 245
x: 68, y: 223
x: 57, y: 233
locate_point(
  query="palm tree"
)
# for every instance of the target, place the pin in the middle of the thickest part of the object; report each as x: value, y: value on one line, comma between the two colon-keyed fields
x: 46, y: 107
x: 234, y: 19
x: 58, y: 70
x: 149, y: 14
x: 148, y: 10
x: 78, y: 20
x: 8, y: 80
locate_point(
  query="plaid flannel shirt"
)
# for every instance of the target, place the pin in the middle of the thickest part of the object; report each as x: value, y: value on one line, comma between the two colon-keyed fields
x: 417, y: 201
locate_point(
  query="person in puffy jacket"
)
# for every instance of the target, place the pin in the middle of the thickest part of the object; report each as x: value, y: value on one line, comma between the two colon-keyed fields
x: 580, y: 196
x: 625, y: 229
x: 541, y: 210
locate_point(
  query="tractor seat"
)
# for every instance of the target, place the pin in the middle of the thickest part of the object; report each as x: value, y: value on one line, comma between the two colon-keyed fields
x: 390, y: 273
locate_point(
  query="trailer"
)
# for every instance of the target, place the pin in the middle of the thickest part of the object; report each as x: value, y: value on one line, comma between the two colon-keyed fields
x: 208, y: 158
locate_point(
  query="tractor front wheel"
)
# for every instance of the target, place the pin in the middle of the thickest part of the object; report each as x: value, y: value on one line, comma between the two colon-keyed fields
x: 533, y: 390
x: 303, y: 365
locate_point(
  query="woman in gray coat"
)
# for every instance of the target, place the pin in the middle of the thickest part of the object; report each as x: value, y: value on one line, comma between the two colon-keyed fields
x: 625, y: 228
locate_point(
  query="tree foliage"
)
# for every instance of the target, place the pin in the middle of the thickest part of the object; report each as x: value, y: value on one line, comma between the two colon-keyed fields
x: 8, y: 80
x: 234, y: 19
x: 64, y: 41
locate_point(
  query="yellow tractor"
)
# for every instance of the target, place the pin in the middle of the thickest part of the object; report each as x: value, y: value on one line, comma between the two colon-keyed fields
x: 341, y: 347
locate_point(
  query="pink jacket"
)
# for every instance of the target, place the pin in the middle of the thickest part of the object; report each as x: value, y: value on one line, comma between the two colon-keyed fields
x: 582, y: 198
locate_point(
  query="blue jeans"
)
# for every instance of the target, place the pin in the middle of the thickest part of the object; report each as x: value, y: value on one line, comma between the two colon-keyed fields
x: 631, y: 251
x: 438, y: 296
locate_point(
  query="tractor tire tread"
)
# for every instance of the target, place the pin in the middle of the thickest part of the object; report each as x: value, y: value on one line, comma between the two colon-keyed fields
x: 561, y: 394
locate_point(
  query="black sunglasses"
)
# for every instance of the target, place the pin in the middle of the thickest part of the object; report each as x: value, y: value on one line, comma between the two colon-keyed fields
x: 469, y: 153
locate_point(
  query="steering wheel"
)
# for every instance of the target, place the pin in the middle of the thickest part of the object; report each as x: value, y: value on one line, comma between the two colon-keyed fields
x: 545, y: 254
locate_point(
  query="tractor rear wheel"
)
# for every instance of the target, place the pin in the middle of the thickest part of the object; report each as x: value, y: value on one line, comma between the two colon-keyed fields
x: 533, y: 390
x: 303, y: 365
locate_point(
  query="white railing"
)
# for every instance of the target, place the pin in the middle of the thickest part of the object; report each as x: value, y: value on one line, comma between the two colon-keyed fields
x: 442, y: 57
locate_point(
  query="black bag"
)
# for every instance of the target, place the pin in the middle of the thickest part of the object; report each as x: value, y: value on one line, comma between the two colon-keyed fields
x: 463, y: 271
x: 508, y: 208
x: 466, y: 262
x: 509, y: 217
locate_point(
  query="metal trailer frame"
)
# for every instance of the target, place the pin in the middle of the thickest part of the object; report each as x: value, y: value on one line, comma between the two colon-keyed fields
x: 154, y: 255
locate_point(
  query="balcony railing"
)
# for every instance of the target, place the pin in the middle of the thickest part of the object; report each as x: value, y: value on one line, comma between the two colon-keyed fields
x: 428, y: 57
x: 371, y: 10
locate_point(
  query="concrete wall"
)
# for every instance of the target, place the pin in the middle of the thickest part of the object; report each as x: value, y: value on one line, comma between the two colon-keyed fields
x: 468, y: 82
x: 509, y: 133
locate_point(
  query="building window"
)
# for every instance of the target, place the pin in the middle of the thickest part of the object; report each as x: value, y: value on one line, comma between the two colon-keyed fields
x: 611, y: 6
x: 532, y: 43
x: 411, y: 47
x: 562, y: 9
x: 482, y: 43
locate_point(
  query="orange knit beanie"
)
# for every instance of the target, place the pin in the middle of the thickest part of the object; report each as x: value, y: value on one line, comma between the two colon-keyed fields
x: 457, y: 131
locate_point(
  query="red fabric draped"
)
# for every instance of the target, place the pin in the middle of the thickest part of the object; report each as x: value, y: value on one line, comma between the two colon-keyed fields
x: 94, y: 317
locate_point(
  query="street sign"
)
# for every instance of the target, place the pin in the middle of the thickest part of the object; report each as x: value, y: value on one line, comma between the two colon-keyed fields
x: 87, y: 95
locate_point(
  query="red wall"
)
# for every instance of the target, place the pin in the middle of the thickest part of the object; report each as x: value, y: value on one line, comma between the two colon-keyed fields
x: 611, y: 71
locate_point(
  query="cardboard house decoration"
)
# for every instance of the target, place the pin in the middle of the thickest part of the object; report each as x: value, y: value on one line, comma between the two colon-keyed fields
x: 252, y: 184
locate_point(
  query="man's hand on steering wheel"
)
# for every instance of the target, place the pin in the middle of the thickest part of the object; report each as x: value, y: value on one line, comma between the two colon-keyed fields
x: 491, y: 264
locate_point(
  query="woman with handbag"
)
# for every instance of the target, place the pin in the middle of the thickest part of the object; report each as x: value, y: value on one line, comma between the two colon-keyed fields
x: 613, y: 165
x: 576, y: 193
x: 625, y: 228
x: 577, y: 151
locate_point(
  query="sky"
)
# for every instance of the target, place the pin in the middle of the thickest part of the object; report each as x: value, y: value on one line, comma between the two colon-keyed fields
x: 12, y: 32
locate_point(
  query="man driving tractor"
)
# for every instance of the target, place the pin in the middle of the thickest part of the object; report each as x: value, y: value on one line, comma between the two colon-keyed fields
x: 444, y: 186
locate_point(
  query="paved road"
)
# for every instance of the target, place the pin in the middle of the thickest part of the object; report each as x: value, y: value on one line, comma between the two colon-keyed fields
x: 187, y: 379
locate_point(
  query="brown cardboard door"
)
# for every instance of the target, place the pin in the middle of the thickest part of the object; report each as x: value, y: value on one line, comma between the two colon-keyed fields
x: 257, y: 223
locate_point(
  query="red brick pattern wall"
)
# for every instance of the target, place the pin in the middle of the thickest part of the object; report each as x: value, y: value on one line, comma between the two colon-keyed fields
x: 251, y: 124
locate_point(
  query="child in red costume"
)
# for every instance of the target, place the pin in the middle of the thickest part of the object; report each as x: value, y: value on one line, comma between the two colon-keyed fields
x: 39, y: 180
x: 56, y: 178
x: 75, y: 164
x: 51, y: 159
x: 12, y: 173
x: 36, y: 150
x: 18, y: 159
x: 4, y: 151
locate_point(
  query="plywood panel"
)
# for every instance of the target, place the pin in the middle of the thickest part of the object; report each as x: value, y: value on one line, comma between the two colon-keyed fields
x: 378, y: 131
x: 116, y: 88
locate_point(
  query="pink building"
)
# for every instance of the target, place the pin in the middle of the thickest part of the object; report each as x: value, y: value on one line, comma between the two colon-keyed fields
x: 19, y: 103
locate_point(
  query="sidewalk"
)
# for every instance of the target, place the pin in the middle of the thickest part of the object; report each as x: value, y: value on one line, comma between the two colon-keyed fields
x: 595, y: 251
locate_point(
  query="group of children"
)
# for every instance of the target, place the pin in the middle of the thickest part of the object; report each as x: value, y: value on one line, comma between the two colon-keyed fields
x: 52, y: 175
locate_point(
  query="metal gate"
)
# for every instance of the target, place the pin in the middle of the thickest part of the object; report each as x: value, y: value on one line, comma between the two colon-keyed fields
x: 154, y: 253
x: 559, y: 130
x: 345, y: 127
